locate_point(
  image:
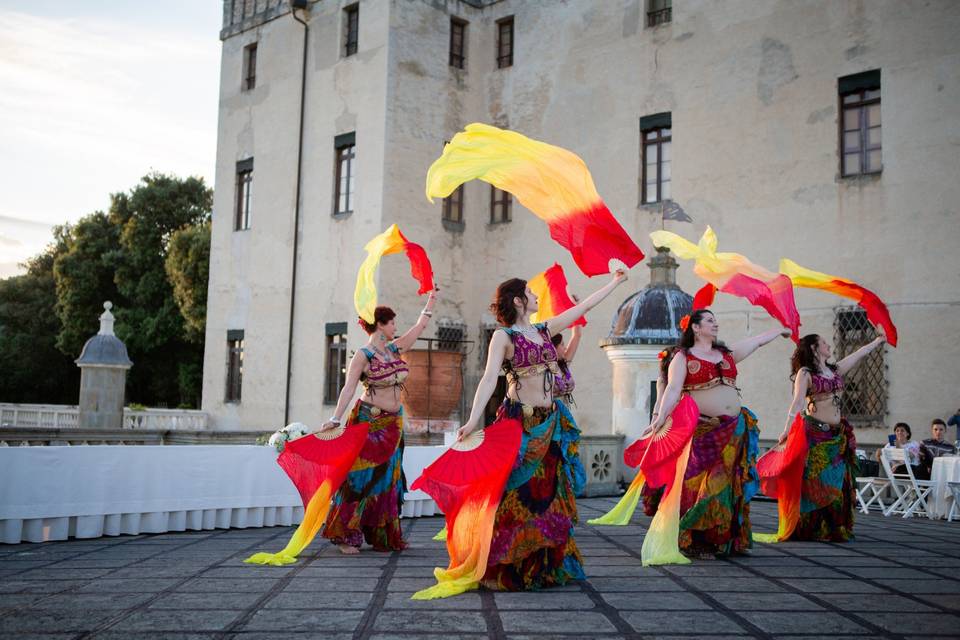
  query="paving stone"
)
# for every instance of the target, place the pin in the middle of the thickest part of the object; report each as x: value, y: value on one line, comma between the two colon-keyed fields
x: 38, y: 586
x: 688, y: 622
x: 236, y: 585
x: 91, y: 601
x: 470, y: 601
x: 803, y: 622
x: 311, y: 621
x: 128, y: 585
x: 547, y: 599
x: 62, y: 574
x: 757, y: 585
x: 878, y: 602
x: 54, y: 621
x: 634, y: 584
x: 578, y: 622
x: 818, y: 586
x: 928, y: 623
x: 248, y: 571
x: 204, y: 600
x: 931, y: 585
x: 417, y: 622
x: 671, y: 600
x: 943, y: 601
x: 799, y: 572
x: 292, y: 598
x: 622, y: 570
x: 183, y: 620
x: 765, y: 601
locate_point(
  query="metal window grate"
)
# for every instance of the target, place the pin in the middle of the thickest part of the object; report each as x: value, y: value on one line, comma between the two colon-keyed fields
x: 865, y: 393
x: 659, y: 12
x: 451, y: 336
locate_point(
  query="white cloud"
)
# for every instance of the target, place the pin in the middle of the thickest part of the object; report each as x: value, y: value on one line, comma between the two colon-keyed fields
x: 89, y: 105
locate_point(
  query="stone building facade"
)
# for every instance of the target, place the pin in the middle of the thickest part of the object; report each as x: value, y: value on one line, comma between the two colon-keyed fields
x: 753, y: 97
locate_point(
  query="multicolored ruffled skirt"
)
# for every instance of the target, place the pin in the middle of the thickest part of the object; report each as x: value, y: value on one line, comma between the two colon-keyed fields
x: 533, y: 544
x: 719, y: 482
x: 828, y: 487
x: 367, y: 506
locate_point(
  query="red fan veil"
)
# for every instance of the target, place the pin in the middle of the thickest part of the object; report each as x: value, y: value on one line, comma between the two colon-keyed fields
x: 467, y: 482
x: 781, y: 477
x: 317, y: 464
x: 662, y: 459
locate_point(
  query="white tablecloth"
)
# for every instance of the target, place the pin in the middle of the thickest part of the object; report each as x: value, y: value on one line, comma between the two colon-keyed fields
x: 52, y: 493
x: 945, y: 469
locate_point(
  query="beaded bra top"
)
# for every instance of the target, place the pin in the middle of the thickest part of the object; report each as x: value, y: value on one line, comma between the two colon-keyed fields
x: 822, y: 385
x: 563, y: 383
x: 703, y: 374
x: 531, y: 359
x: 381, y: 373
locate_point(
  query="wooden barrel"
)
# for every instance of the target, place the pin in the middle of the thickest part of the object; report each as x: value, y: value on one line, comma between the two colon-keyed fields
x: 434, y: 384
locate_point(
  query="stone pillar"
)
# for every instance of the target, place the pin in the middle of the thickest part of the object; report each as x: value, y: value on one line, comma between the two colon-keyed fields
x: 103, y: 377
x: 635, y: 371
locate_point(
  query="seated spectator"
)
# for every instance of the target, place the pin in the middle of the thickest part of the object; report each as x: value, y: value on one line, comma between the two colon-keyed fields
x: 916, y: 454
x: 954, y: 421
x: 937, y: 444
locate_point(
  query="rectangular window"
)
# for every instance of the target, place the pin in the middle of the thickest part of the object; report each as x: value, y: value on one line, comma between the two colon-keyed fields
x: 244, y: 188
x: 351, y: 29
x: 659, y: 12
x: 234, y: 365
x: 453, y: 206
x: 336, y: 361
x: 655, y: 136
x: 864, y: 399
x: 505, y: 42
x: 500, y: 205
x: 458, y: 43
x: 250, y: 66
x: 346, y: 161
x: 860, y: 132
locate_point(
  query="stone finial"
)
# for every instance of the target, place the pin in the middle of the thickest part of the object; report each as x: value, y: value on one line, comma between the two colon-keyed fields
x: 663, y: 268
x: 106, y: 320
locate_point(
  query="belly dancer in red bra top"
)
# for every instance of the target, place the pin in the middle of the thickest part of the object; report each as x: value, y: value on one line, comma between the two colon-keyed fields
x: 367, y: 506
x: 720, y: 477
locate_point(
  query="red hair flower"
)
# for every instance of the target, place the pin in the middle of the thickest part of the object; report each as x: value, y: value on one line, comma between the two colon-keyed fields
x: 684, y: 322
x: 663, y: 354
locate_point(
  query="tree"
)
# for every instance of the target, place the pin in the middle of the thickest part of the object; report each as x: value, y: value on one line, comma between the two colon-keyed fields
x: 84, y: 273
x: 121, y: 256
x: 34, y: 370
x: 188, y: 269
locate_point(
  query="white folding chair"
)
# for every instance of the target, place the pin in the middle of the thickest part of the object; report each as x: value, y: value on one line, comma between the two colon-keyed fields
x: 911, y: 493
x: 955, y: 507
x: 871, y: 491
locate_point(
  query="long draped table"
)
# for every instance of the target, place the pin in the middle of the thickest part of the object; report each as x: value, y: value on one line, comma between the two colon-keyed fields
x: 52, y: 493
x: 945, y: 469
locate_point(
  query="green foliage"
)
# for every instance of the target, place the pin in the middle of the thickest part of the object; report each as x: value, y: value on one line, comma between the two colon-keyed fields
x: 120, y: 256
x: 34, y: 370
x: 188, y: 268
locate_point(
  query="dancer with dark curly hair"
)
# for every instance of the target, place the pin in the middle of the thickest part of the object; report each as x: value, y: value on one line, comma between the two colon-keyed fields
x: 367, y: 506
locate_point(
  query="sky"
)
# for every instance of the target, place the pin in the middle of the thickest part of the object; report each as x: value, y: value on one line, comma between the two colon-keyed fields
x: 96, y: 94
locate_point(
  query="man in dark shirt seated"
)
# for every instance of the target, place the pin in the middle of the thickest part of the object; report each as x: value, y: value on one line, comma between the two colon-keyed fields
x: 938, y: 445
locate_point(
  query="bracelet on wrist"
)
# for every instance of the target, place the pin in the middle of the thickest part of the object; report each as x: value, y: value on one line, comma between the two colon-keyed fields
x: 334, y: 420
x: 426, y: 313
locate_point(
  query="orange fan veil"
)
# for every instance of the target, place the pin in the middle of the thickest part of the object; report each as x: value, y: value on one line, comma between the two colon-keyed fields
x: 467, y: 486
x: 317, y: 464
x: 781, y: 477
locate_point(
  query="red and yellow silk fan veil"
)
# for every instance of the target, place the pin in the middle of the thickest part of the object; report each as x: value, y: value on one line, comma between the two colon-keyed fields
x: 467, y: 482
x: 550, y: 287
x: 877, y: 312
x: 317, y: 464
x: 781, y: 477
x: 734, y: 274
x: 550, y: 181
x: 390, y: 241
x: 662, y: 458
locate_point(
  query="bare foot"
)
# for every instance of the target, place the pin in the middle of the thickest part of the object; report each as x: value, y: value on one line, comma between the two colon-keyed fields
x: 347, y: 550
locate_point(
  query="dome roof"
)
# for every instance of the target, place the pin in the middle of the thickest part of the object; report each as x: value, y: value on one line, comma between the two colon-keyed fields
x: 105, y: 349
x: 651, y: 315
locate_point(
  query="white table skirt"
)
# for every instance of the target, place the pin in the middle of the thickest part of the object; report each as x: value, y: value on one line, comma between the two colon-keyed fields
x: 945, y: 469
x: 52, y: 493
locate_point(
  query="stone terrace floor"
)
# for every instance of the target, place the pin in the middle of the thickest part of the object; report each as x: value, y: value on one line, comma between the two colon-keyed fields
x: 900, y: 579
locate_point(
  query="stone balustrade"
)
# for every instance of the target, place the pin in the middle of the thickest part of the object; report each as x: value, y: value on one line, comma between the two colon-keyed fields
x: 55, y: 416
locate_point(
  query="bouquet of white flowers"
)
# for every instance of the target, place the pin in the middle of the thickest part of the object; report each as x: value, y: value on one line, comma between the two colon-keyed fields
x: 290, y: 432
